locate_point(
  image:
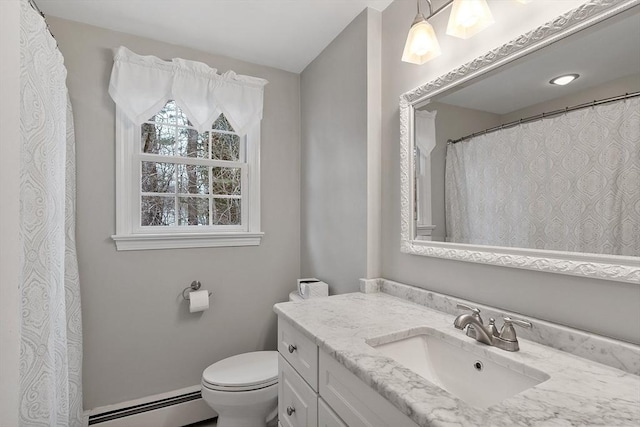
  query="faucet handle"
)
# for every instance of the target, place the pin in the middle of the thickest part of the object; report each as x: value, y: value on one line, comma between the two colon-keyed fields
x: 468, y: 307
x: 508, y: 333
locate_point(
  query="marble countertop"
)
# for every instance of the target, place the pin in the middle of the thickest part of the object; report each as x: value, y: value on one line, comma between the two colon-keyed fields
x: 579, y: 391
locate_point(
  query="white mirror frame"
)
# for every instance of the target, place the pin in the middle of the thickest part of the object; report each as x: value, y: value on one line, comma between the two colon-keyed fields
x: 608, y: 267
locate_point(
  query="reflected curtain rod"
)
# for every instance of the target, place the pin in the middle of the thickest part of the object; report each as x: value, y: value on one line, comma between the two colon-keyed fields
x: 545, y: 115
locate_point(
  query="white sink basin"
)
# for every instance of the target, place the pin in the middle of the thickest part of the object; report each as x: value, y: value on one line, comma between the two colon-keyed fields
x: 458, y: 366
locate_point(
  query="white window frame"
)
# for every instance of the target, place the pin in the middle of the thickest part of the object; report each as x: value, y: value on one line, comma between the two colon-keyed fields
x: 130, y: 235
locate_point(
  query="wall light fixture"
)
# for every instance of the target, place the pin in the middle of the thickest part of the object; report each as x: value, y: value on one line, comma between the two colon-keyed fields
x: 422, y: 43
x: 468, y: 17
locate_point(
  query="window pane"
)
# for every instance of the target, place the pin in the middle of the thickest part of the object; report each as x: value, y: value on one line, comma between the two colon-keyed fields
x: 226, y: 181
x: 158, y: 139
x: 225, y: 146
x: 157, y: 210
x: 192, y: 144
x: 194, y: 211
x: 221, y: 123
x: 170, y: 113
x: 226, y: 212
x: 193, y: 179
x: 158, y: 177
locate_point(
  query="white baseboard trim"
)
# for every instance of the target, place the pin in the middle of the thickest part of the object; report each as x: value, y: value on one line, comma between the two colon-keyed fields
x: 173, y: 409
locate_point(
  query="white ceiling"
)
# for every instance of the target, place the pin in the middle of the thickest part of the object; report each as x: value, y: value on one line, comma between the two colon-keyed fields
x: 285, y: 34
x: 602, y: 53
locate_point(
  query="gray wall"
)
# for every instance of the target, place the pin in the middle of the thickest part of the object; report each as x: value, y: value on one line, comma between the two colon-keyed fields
x: 334, y: 165
x: 139, y: 337
x: 607, y: 308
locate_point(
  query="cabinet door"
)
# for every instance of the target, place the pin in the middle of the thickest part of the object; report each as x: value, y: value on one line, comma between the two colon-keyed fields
x: 326, y: 417
x: 354, y: 401
x: 297, y: 402
x: 300, y: 352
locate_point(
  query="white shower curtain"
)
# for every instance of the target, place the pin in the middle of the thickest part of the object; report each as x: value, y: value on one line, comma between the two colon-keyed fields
x: 569, y: 183
x: 50, y: 329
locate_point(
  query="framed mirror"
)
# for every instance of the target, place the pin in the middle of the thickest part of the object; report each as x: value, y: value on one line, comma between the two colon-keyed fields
x: 501, y: 166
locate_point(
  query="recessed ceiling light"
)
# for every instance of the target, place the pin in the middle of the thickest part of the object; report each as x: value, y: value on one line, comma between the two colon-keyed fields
x: 564, y: 80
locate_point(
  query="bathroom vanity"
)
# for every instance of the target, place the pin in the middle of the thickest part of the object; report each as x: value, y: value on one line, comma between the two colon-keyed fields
x: 314, y: 388
x: 354, y: 360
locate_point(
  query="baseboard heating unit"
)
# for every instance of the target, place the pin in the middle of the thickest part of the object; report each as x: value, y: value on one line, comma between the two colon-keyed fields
x: 179, y: 408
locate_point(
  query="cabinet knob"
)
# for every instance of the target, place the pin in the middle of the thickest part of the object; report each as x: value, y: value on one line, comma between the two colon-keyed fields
x: 290, y: 410
x: 292, y: 348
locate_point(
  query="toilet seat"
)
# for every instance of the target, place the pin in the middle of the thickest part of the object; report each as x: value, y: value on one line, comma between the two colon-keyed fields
x: 238, y: 388
x: 243, y: 372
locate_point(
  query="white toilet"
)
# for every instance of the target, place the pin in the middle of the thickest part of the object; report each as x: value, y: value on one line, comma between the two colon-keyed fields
x: 243, y: 389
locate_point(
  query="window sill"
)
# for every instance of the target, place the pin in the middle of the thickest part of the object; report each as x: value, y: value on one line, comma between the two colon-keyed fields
x: 137, y: 242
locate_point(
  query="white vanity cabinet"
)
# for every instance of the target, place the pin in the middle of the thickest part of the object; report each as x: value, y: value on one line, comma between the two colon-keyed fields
x: 297, y: 378
x: 315, y: 390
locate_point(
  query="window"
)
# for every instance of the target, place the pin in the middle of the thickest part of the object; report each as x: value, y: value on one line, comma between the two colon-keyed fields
x: 187, y: 154
x: 189, y: 178
x: 180, y: 188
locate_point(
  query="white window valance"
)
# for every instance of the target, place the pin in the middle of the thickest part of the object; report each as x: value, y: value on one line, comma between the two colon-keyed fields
x: 141, y: 86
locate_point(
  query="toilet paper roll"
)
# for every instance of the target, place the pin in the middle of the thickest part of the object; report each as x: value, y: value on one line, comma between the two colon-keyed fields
x: 198, y: 301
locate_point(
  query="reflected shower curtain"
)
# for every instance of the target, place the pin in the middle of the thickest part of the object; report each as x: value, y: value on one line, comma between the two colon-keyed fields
x: 568, y: 183
x: 50, y: 327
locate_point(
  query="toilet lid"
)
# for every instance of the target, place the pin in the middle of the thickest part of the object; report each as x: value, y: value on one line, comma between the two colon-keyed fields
x: 248, y: 371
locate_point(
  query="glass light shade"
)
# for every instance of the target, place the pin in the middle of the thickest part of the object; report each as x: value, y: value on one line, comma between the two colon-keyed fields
x: 422, y: 44
x: 469, y: 17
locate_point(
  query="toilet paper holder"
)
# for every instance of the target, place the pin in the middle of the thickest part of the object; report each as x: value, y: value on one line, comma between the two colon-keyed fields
x: 194, y: 286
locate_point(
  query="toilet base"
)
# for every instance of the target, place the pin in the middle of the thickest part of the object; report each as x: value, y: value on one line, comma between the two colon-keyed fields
x: 243, y: 408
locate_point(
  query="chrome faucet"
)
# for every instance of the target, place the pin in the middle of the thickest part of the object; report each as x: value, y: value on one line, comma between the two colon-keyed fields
x: 506, y: 339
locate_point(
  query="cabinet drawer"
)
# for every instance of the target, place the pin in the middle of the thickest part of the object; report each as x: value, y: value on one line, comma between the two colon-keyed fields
x: 297, y: 403
x: 357, y: 404
x: 300, y: 352
x: 326, y: 416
